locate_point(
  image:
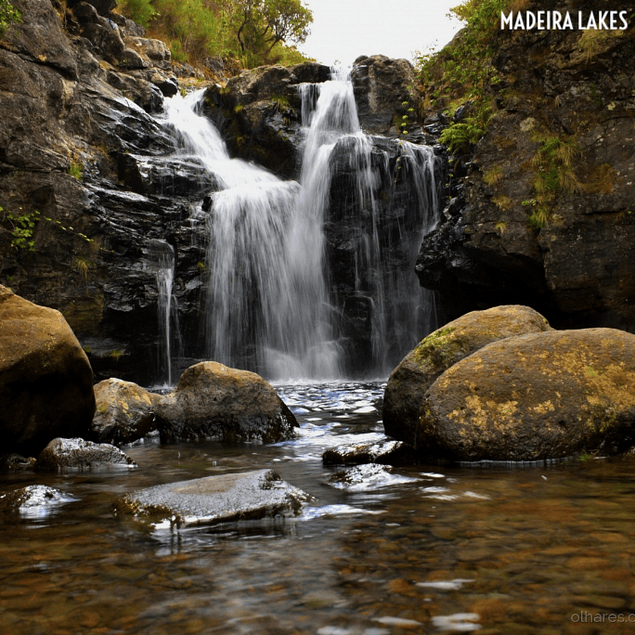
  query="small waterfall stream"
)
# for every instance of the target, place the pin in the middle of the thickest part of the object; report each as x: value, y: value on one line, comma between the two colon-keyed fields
x: 272, y: 305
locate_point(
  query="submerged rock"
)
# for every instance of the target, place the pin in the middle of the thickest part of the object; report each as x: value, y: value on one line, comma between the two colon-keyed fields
x: 125, y: 412
x: 385, y: 453
x: 46, y: 382
x: 533, y: 397
x: 33, y: 501
x: 216, y: 499
x: 367, y: 477
x: 212, y: 401
x: 77, y: 454
x: 408, y: 383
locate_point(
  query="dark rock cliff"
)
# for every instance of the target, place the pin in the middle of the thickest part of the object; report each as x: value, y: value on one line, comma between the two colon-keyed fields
x: 542, y: 212
x: 93, y: 194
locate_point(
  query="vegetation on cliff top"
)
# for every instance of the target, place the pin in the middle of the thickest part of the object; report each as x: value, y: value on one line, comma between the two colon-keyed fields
x: 255, y: 32
x: 462, y: 72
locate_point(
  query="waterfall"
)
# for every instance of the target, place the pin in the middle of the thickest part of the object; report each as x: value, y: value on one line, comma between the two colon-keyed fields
x: 160, y: 259
x: 274, y: 303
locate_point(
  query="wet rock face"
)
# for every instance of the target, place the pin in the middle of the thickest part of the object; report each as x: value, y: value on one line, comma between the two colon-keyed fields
x: 576, y: 266
x: 77, y: 148
x: 46, y: 382
x: 408, y: 384
x: 385, y: 93
x: 212, y: 401
x: 216, y: 499
x: 532, y: 397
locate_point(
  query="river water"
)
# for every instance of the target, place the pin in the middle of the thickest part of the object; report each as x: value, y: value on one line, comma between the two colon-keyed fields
x: 424, y: 549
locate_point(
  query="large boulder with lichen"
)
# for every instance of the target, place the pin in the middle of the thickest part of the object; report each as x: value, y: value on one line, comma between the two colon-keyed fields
x: 408, y: 383
x: 46, y: 382
x: 214, y: 402
x: 124, y: 413
x: 533, y: 397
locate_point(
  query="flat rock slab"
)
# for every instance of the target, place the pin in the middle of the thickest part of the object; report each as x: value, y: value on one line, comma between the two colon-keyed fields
x: 216, y: 499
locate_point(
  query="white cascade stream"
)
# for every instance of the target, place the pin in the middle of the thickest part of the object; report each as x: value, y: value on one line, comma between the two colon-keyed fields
x: 270, y: 307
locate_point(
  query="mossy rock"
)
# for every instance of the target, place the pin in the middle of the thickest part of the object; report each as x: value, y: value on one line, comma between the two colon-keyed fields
x: 533, y: 397
x: 440, y: 350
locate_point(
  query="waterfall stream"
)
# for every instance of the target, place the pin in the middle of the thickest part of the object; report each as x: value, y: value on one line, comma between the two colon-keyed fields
x: 273, y: 304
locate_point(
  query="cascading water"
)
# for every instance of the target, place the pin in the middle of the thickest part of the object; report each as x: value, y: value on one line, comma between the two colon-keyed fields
x: 161, y: 260
x: 272, y: 305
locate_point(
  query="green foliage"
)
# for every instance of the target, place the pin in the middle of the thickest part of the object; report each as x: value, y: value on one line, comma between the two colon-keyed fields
x: 461, y: 136
x: 553, y: 166
x: 23, y: 229
x: 463, y: 71
x: 76, y: 169
x: 141, y: 11
x: 8, y: 15
x: 23, y: 225
x: 253, y: 31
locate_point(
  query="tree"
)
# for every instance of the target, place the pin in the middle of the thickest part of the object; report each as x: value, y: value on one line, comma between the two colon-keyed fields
x: 261, y: 24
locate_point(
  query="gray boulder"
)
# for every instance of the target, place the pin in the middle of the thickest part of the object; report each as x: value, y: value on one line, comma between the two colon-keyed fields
x: 408, y: 383
x: 78, y: 454
x: 212, y: 401
x: 215, y: 499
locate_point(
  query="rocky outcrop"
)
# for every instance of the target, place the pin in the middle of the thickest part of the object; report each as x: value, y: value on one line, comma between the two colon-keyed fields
x: 46, y: 382
x: 78, y: 454
x: 532, y: 397
x: 542, y: 213
x: 124, y: 413
x: 214, y: 402
x: 215, y: 499
x: 259, y: 114
x: 408, y: 384
x: 386, y: 97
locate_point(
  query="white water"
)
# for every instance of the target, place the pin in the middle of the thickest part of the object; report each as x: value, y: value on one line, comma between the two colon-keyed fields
x: 269, y: 303
x: 161, y: 260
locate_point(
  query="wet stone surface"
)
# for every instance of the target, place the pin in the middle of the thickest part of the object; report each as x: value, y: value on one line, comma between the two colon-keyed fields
x: 216, y: 499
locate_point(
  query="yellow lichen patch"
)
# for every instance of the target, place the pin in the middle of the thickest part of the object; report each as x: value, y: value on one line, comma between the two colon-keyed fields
x: 544, y: 407
x: 485, y: 413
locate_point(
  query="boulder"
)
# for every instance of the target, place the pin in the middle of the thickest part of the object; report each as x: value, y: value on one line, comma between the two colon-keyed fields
x: 77, y: 454
x: 408, y: 383
x: 46, y: 382
x: 533, y: 397
x: 125, y: 412
x: 216, y: 499
x: 212, y: 401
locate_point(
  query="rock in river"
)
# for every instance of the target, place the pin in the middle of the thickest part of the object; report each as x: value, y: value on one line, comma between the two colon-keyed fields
x: 533, y: 397
x: 409, y: 382
x: 125, y: 412
x: 216, y: 499
x: 212, y: 401
x: 46, y: 382
x: 77, y: 454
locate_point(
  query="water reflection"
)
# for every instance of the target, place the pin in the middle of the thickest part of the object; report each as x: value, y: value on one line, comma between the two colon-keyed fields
x: 543, y: 549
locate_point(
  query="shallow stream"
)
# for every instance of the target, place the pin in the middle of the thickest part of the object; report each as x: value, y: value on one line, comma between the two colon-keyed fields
x: 426, y: 549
